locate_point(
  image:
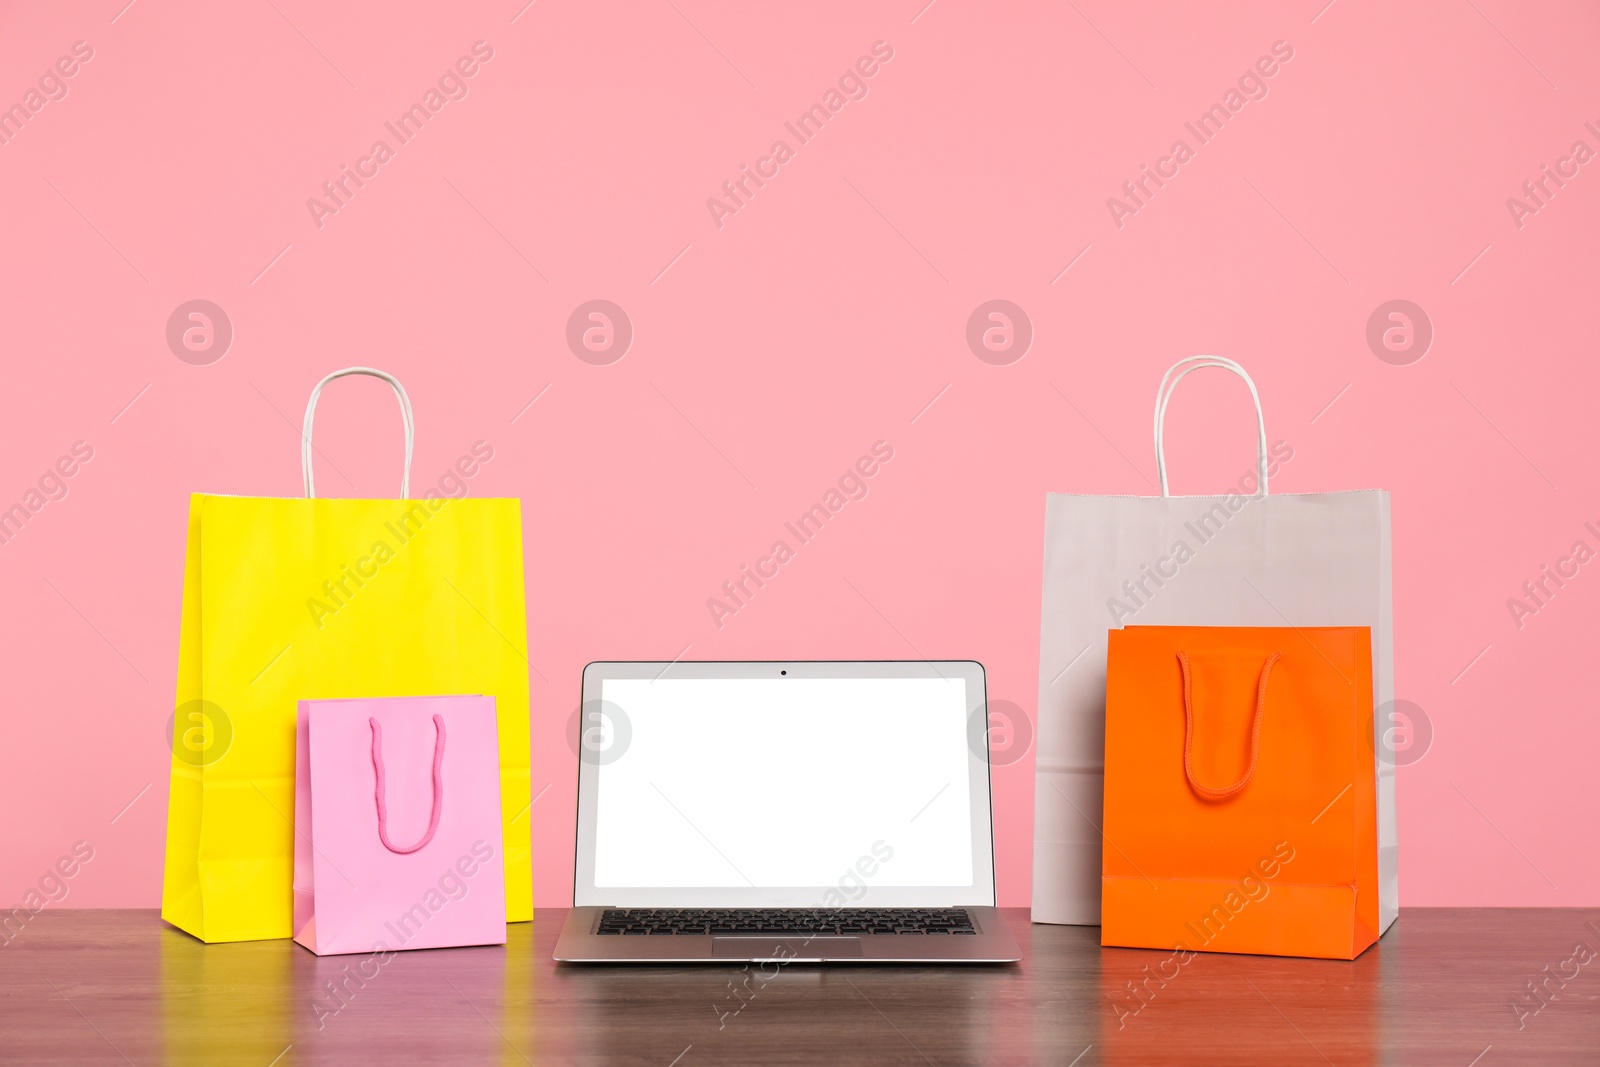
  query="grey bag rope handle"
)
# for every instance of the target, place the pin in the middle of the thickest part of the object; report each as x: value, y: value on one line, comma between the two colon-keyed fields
x: 1169, y: 384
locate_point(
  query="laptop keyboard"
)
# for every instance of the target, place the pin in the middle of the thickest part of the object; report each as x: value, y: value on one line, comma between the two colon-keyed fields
x: 785, y: 921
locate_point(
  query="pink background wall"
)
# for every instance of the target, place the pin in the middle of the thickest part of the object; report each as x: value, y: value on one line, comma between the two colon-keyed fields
x: 828, y: 313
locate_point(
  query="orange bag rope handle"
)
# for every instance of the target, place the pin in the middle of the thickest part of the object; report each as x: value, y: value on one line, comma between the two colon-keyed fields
x: 1255, y: 731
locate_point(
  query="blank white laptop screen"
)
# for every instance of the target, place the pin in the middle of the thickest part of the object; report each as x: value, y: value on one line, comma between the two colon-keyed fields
x: 781, y: 782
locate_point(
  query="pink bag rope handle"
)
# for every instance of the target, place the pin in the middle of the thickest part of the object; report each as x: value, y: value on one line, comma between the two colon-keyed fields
x: 438, y: 786
x: 1255, y: 731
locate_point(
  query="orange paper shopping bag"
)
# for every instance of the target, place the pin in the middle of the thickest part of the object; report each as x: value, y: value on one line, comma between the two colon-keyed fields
x: 1240, y: 791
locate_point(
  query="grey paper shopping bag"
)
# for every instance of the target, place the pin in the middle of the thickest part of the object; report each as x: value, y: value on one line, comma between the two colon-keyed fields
x: 1244, y: 558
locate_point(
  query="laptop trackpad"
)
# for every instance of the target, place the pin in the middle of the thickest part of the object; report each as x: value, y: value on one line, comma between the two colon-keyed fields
x: 785, y: 948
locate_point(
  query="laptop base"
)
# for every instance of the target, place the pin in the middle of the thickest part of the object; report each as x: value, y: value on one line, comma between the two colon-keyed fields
x: 991, y: 942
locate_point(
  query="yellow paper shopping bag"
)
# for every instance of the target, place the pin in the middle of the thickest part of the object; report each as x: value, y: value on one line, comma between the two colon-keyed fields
x: 290, y: 599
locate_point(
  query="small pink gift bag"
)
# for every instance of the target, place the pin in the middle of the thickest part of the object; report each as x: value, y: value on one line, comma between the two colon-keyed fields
x: 397, y: 825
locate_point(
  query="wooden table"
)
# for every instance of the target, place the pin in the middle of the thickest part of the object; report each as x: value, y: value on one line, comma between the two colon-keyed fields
x: 114, y: 987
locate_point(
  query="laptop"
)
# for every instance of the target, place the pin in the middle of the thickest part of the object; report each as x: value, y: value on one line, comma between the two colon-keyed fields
x: 798, y: 812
